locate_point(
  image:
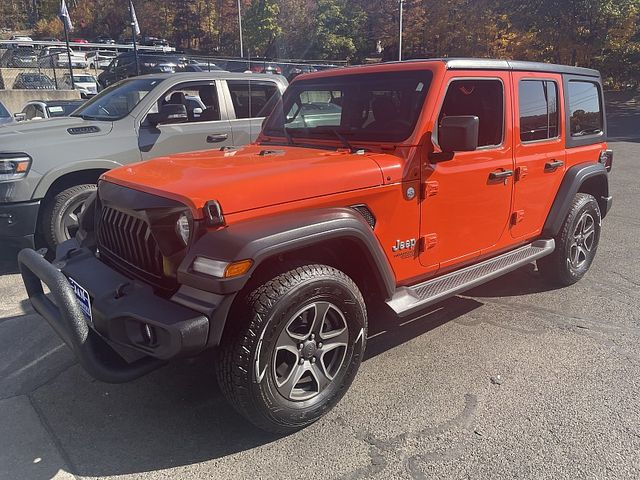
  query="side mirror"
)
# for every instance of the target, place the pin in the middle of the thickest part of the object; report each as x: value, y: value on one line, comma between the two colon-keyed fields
x: 169, y: 113
x: 458, y: 133
x: 20, y: 117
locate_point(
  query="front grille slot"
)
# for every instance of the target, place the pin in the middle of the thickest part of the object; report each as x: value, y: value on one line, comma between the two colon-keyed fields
x: 125, y: 238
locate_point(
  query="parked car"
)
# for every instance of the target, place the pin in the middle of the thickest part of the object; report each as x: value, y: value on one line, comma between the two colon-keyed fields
x: 154, y: 42
x: 137, y: 119
x: 100, y: 58
x: 266, y: 67
x: 42, y: 109
x: 33, y: 81
x: 438, y: 176
x: 57, y: 57
x: 86, y: 83
x: 79, y: 40
x: 21, y: 38
x: 124, y: 66
x: 202, y: 65
x: 294, y: 70
x: 5, y: 115
x: 21, y: 56
x: 105, y: 39
x: 49, y: 39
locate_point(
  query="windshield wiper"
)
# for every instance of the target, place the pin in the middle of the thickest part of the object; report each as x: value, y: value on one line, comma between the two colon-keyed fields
x: 588, y: 131
x: 338, y: 135
x: 85, y: 117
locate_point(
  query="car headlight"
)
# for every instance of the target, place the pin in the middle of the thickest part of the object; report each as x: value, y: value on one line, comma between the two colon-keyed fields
x: 183, y: 228
x: 14, y: 166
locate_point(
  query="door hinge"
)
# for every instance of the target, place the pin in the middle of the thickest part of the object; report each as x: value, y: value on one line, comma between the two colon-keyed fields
x: 430, y: 189
x: 521, y: 172
x: 428, y: 241
x: 517, y: 217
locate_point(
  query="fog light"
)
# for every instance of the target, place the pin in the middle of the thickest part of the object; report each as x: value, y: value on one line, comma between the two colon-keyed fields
x: 148, y: 334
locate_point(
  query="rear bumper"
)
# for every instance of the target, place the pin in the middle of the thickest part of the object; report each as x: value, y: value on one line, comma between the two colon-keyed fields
x: 18, y: 223
x: 131, y: 331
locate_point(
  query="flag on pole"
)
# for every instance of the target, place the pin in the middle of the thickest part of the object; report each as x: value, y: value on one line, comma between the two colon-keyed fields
x: 64, y: 16
x: 134, y: 19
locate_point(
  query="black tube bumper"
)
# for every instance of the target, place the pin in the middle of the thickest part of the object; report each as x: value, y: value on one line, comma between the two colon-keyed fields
x: 18, y: 223
x: 130, y: 332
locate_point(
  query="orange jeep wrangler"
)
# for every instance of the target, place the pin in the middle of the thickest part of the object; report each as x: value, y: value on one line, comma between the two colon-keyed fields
x: 408, y: 182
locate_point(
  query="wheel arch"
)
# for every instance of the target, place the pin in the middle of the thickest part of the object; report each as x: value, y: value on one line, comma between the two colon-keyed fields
x: 85, y: 172
x: 591, y: 178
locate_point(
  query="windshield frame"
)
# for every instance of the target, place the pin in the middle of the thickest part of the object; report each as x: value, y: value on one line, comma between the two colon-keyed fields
x: 109, y: 91
x: 273, y: 127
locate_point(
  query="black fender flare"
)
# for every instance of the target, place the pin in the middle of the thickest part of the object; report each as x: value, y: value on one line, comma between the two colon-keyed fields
x: 573, y: 180
x: 262, y: 238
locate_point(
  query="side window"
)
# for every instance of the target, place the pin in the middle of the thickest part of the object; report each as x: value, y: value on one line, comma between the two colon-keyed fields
x: 253, y: 99
x: 538, y: 106
x: 200, y: 100
x: 585, y: 114
x: 481, y: 98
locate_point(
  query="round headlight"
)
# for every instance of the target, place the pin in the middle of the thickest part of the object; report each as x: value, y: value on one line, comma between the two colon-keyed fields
x: 183, y: 228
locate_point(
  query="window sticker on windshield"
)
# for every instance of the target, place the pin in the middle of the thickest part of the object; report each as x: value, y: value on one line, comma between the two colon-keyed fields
x: 419, y: 87
x: 56, y: 109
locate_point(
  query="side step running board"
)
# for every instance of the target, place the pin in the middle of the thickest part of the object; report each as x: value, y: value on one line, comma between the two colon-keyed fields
x: 407, y: 300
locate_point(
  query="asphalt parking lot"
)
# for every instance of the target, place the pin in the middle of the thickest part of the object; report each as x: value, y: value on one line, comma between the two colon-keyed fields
x: 511, y: 380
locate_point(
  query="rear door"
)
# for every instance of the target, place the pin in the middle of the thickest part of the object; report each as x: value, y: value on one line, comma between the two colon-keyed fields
x: 206, y: 129
x: 248, y: 103
x: 539, y: 149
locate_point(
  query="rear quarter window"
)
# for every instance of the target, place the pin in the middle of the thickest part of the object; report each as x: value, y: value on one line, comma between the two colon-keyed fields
x: 585, y: 111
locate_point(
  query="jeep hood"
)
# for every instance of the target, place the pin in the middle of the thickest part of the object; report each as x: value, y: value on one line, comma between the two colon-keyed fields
x: 250, y: 177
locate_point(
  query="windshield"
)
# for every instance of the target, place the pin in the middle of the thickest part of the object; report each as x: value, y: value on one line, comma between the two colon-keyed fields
x: 381, y: 107
x: 117, y: 101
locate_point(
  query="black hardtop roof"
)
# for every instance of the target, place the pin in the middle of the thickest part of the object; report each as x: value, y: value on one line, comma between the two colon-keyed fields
x: 517, y: 65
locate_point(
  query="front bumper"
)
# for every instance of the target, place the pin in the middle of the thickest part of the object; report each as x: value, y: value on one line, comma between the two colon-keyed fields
x: 18, y: 223
x: 132, y: 330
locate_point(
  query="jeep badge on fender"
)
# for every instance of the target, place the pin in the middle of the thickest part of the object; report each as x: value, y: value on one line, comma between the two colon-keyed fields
x: 402, y: 245
x: 269, y: 253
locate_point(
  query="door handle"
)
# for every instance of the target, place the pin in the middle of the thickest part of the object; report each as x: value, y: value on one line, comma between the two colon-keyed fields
x: 552, y: 165
x: 217, y: 137
x: 500, y: 175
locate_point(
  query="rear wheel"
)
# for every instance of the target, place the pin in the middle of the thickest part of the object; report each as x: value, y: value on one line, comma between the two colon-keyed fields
x: 60, y: 214
x: 576, y: 244
x: 298, y: 351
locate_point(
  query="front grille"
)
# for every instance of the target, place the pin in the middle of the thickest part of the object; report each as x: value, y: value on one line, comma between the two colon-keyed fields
x: 125, y: 238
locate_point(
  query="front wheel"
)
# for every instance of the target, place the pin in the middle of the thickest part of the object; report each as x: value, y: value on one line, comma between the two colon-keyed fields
x: 297, y: 350
x: 60, y: 214
x: 576, y: 244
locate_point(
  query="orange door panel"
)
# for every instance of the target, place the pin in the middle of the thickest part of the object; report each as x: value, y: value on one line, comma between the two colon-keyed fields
x: 539, y: 149
x: 467, y: 200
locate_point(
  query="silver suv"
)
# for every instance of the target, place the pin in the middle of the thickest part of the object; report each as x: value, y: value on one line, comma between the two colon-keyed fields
x: 48, y: 168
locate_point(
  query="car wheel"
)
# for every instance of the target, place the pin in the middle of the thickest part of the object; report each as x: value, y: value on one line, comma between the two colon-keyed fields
x: 576, y: 244
x: 60, y: 214
x: 297, y: 350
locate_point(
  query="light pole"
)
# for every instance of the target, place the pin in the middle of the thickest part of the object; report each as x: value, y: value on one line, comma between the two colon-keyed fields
x: 400, y: 33
x: 240, y: 27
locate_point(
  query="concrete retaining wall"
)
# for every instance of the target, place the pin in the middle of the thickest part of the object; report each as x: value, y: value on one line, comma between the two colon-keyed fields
x: 14, y: 100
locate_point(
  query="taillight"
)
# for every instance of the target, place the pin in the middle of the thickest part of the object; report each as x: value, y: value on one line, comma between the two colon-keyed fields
x: 606, y: 158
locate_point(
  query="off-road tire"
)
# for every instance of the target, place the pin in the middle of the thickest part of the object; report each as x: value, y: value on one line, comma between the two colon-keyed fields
x: 57, y: 208
x: 558, y: 268
x: 245, y: 365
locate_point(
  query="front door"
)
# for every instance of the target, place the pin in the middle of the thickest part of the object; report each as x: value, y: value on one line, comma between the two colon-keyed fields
x: 208, y: 126
x: 466, y: 202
